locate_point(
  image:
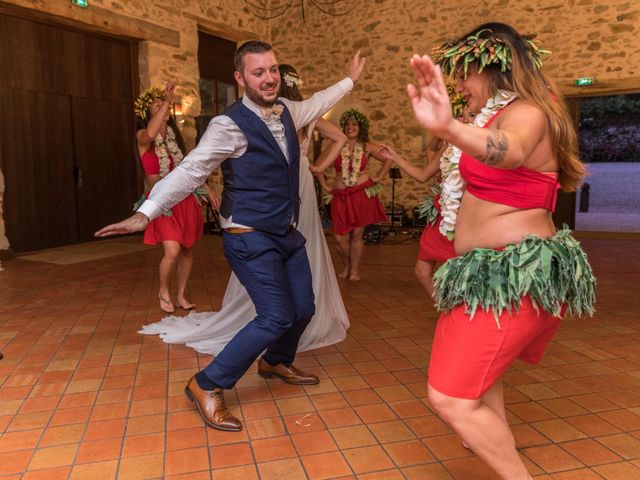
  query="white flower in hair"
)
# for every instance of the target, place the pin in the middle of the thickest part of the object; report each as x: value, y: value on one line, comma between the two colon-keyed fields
x: 292, y: 80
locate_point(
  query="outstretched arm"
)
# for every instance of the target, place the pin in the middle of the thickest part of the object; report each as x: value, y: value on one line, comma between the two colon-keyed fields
x: 375, y: 151
x: 520, y: 129
x: 319, y: 103
x: 421, y: 174
x: 329, y: 154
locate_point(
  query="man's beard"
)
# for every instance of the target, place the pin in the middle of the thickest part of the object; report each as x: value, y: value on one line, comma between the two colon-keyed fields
x: 256, y: 96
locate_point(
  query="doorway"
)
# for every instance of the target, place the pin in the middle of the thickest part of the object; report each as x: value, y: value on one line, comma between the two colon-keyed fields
x: 218, y: 88
x: 66, y: 132
x: 609, y: 132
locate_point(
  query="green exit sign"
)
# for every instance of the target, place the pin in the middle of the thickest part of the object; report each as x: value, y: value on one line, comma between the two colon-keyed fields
x: 585, y: 81
x: 81, y: 3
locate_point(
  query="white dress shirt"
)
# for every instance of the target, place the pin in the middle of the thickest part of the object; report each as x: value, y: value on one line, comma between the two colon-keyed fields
x: 223, y: 139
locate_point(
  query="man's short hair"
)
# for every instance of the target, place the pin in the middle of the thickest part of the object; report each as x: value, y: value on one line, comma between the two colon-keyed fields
x: 252, y: 46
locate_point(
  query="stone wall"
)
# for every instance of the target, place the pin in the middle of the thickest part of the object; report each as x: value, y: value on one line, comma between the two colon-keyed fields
x: 587, y: 38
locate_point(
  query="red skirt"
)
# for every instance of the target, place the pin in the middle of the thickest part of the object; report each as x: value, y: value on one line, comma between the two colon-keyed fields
x: 351, y: 208
x: 470, y: 354
x: 435, y: 247
x: 183, y: 226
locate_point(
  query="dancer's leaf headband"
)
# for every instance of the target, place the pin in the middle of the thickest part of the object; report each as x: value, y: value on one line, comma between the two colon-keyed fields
x: 146, y: 98
x: 361, y: 118
x: 480, y: 49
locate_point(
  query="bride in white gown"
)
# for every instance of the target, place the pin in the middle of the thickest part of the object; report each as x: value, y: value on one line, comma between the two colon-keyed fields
x: 209, y: 332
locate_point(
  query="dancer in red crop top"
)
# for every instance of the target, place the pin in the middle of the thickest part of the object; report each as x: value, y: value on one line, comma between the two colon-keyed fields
x: 354, y: 196
x: 161, y: 147
x: 504, y: 296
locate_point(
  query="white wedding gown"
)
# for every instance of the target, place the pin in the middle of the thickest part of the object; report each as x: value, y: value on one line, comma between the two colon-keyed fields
x: 209, y: 332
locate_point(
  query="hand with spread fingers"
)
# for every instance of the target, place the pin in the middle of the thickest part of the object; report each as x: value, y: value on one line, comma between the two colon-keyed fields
x: 356, y: 67
x: 429, y: 99
x: 135, y: 223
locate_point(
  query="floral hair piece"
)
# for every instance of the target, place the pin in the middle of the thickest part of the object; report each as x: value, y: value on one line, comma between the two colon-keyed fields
x: 457, y: 99
x: 292, y: 80
x: 146, y: 98
x: 481, y: 49
x: 361, y: 118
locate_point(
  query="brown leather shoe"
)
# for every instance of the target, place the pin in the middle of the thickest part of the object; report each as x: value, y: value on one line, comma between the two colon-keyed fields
x: 288, y: 374
x: 211, y: 407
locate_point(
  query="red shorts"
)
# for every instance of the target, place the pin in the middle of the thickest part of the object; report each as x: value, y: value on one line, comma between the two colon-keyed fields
x: 351, y: 208
x: 435, y: 247
x: 470, y: 354
x: 183, y: 226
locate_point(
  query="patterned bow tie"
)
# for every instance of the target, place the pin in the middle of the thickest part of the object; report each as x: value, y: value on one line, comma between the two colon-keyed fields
x: 276, y: 110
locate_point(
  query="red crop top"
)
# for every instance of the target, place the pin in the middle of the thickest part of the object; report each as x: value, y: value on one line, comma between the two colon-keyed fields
x: 151, y: 162
x: 337, y: 164
x: 518, y: 187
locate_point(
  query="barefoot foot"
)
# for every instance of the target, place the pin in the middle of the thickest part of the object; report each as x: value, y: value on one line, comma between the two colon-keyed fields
x: 354, y: 277
x: 184, y: 304
x: 345, y: 273
x: 165, y: 303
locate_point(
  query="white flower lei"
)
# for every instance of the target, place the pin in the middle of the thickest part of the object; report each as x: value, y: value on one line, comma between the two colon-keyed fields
x: 167, y: 147
x: 351, y: 164
x: 452, y: 182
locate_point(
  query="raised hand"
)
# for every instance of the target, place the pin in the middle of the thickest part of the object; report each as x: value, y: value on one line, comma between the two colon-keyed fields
x: 429, y: 100
x: 169, y: 90
x: 356, y: 67
x: 135, y: 223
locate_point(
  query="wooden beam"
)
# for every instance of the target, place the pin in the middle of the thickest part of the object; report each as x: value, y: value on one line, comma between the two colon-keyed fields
x: 93, y: 18
x: 612, y: 86
x: 222, y: 30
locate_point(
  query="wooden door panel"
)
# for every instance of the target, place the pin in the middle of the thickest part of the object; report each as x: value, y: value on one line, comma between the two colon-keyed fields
x: 66, y: 110
x: 103, y: 145
x: 37, y: 160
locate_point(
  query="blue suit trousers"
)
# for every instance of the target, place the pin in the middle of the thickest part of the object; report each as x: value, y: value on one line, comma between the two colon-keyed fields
x: 275, y: 271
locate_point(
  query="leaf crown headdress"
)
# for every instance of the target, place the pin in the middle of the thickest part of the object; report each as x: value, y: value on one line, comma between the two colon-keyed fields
x: 358, y: 116
x: 482, y: 49
x: 146, y: 98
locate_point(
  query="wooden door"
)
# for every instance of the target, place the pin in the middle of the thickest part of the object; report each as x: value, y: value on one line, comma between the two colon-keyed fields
x: 36, y: 153
x: 105, y: 163
x: 72, y: 115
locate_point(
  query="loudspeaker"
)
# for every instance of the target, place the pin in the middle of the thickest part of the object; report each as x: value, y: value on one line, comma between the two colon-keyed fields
x: 416, y: 220
x: 372, y: 234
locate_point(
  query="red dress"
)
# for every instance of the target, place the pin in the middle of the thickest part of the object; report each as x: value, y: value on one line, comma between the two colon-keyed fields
x: 185, y: 223
x: 435, y: 247
x: 351, y: 207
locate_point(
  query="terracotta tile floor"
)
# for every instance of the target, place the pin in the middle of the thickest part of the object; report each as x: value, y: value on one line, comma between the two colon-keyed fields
x: 83, y: 396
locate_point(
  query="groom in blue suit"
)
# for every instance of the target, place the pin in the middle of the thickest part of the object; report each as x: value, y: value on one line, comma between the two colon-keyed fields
x: 256, y: 145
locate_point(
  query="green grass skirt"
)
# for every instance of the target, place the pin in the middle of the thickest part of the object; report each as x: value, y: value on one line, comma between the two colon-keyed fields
x: 553, y: 271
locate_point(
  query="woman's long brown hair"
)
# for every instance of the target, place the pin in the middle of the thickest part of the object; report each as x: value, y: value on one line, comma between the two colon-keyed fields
x: 530, y: 83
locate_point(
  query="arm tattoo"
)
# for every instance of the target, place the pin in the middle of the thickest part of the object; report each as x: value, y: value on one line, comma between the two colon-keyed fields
x: 497, y: 146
